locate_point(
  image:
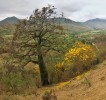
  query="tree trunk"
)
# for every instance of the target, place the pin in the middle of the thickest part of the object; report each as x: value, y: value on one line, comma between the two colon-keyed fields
x: 43, y: 70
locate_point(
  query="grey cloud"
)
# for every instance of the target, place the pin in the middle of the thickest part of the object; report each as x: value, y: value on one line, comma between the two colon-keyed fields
x: 75, y: 9
x: 13, y: 7
x: 19, y: 7
x: 71, y: 5
x: 25, y: 7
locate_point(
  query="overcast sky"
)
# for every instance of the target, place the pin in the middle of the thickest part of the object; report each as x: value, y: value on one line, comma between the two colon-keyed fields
x: 78, y: 10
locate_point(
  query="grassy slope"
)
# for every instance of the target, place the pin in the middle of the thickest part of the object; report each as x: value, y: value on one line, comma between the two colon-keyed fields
x: 89, y: 86
x: 7, y: 29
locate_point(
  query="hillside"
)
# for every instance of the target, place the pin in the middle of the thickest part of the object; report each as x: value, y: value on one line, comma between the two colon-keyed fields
x: 96, y: 23
x: 69, y: 25
x: 7, y: 25
x: 74, y: 26
x: 7, y: 29
x: 89, y: 86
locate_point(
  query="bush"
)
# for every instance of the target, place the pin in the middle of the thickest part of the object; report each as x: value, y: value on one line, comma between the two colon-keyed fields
x: 80, y: 56
x: 17, y: 80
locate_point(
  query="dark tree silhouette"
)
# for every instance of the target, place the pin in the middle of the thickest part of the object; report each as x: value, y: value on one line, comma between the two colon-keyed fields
x: 36, y: 36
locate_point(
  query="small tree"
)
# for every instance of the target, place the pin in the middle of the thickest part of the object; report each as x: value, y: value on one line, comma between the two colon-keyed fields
x: 36, y: 36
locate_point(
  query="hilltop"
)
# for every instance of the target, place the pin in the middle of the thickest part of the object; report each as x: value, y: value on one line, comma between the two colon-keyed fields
x: 9, y: 20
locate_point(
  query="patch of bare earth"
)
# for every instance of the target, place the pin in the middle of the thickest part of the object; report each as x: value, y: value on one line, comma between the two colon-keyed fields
x: 90, y: 87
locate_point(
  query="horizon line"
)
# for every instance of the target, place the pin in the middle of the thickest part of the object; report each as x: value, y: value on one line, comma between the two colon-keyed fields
x: 57, y: 17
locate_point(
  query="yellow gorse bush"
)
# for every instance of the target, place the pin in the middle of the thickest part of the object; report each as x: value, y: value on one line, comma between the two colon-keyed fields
x: 80, y: 53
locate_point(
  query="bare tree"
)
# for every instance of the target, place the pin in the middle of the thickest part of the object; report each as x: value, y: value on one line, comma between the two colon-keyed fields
x: 36, y: 36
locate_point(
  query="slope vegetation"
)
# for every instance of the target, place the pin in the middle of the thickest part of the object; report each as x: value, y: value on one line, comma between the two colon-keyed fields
x: 88, y: 86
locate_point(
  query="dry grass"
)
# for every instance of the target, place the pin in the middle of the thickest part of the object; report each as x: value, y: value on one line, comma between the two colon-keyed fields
x: 74, y: 89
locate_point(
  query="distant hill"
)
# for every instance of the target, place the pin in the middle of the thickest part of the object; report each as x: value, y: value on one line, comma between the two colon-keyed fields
x: 92, y: 24
x: 65, y: 20
x: 9, y: 20
x: 73, y: 26
x: 96, y: 23
x: 7, y: 25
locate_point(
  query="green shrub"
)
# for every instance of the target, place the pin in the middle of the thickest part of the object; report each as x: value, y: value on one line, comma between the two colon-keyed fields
x: 16, y: 80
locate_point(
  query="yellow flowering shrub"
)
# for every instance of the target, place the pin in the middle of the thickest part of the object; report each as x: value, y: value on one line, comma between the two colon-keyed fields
x: 78, y: 58
x: 80, y: 54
